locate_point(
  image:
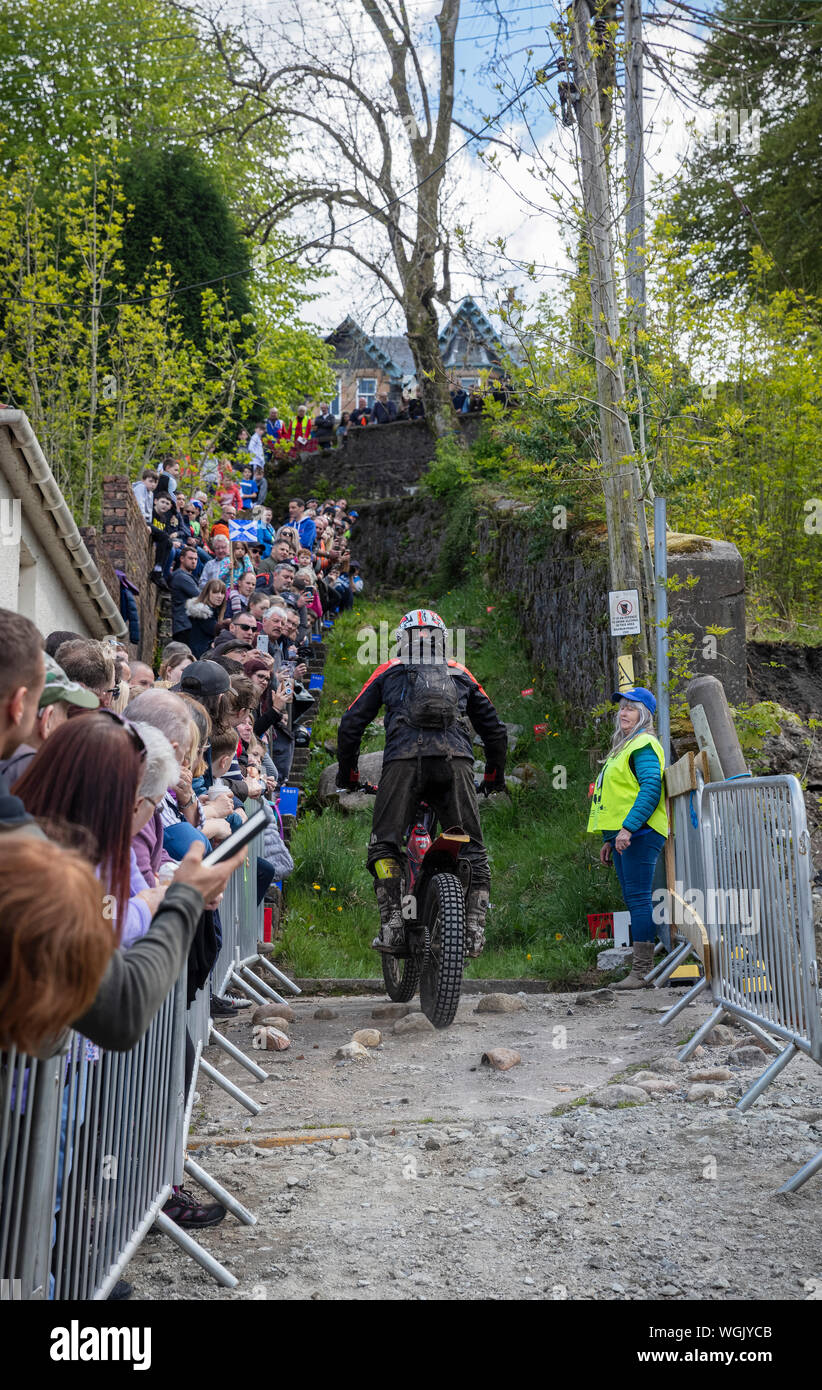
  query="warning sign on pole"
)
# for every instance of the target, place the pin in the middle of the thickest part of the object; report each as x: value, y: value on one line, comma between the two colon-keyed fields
x: 625, y: 670
x: 624, y: 609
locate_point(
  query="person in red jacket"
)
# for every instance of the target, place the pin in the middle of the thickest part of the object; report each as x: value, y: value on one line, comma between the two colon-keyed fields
x: 431, y: 704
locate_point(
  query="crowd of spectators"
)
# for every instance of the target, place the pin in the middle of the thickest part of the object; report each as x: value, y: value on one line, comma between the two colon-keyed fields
x: 149, y: 766
x: 309, y: 430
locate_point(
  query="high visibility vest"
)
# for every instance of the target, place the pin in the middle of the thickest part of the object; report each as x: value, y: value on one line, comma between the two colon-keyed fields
x: 616, y: 789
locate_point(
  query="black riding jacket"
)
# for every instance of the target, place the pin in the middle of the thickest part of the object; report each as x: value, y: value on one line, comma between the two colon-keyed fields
x: 388, y: 686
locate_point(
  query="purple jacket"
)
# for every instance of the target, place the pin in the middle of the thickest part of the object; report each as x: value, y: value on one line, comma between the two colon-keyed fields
x: 138, y: 914
x: 148, y: 848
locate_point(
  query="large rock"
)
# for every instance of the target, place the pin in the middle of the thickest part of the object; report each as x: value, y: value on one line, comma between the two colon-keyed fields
x: 413, y: 1023
x: 352, y: 1052
x: 370, y: 766
x: 710, y: 1074
x: 500, y: 1058
x: 612, y: 1097
x: 500, y: 1004
x: 704, y: 1091
x: 749, y: 1056
x: 393, y: 1010
x: 367, y: 1037
x: 271, y: 1011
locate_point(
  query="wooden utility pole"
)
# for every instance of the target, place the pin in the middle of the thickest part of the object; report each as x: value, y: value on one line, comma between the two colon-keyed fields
x: 634, y: 162
x: 621, y: 477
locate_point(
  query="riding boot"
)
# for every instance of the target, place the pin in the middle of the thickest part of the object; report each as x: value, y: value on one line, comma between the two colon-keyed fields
x: 643, y: 960
x: 475, y: 909
x: 389, y: 899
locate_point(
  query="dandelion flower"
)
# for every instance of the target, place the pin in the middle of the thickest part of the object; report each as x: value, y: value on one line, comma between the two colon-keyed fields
x: 332, y: 890
x: 316, y: 885
x: 528, y: 956
x: 557, y: 935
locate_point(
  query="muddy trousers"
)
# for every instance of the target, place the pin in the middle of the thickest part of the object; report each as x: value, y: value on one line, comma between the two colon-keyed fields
x: 448, y: 787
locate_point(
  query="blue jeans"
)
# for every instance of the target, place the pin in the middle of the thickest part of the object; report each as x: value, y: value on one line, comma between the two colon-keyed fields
x: 635, y: 870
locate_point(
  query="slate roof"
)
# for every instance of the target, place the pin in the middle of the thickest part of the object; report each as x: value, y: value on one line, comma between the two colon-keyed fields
x: 393, y: 353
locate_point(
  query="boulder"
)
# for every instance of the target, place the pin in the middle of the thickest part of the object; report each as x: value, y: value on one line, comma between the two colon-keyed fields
x: 611, y: 1097
x: 393, y: 1010
x: 720, y: 1035
x: 267, y: 1039
x: 265, y: 1012
x: 710, y: 1074
x: 368, y: 1037
x: 748, y: 1056
x: 370, y: 768
x: 353, y: 1052
x: 413, y: 1023
x: 326, y: 1013
x: 500, y: 1058
x: 500, y: 1004
x: 658, y: 1086
x: 704, y: 1091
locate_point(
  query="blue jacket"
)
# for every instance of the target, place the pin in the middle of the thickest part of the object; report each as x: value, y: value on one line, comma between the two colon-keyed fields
x: 130, y: 611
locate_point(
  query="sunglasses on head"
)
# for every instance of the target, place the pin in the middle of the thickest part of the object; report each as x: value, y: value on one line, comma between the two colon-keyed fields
x: 75, y: 710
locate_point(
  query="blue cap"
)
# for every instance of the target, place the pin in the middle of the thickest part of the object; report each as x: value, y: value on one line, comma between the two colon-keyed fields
x: 639, y: 694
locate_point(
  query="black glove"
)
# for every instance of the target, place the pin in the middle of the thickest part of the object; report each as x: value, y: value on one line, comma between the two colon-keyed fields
x: 492, y: 782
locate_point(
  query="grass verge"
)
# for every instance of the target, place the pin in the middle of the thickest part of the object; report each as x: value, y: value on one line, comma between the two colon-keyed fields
x: 545, y: 870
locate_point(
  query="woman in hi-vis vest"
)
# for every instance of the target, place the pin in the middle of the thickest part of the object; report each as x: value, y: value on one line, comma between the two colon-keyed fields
x: 628, y: 808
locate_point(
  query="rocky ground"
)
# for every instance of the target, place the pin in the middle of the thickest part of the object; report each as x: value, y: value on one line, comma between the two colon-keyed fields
x: 599, y: 1167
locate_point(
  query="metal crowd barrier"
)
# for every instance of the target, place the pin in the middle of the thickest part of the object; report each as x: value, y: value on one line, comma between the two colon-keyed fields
x: 744, y: 845
x: 91, y: 1145
x: 242, y: 929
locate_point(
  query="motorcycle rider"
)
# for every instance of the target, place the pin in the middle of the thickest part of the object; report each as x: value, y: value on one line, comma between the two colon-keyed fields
x: 429, y: 701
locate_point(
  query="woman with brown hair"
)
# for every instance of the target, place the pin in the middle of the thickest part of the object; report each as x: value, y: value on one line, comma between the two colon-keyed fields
x: 58, y: 964
x: 88, y: 776
x: 206, y: 612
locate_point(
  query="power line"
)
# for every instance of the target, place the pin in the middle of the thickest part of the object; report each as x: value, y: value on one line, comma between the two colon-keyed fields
x: 292, y: 251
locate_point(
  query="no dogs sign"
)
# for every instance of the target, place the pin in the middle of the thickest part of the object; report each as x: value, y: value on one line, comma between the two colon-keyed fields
x: 624, y: 609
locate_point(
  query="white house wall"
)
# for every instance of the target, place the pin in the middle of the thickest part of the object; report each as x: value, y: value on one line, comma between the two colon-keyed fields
x: 33, y: 589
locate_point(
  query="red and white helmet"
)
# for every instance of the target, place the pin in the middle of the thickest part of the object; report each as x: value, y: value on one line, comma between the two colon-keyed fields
x: 420, y: 617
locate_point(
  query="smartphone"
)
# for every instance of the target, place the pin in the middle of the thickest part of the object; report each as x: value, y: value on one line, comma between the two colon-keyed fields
x: 247, y: 832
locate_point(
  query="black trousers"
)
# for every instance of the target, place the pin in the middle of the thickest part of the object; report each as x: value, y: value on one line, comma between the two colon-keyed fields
x: 448, y: 787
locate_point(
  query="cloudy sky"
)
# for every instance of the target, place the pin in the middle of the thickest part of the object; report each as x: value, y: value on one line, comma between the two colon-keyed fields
x: 514, y: 201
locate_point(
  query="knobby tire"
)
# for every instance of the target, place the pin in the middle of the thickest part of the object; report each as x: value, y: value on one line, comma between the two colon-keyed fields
x: 441, y: 981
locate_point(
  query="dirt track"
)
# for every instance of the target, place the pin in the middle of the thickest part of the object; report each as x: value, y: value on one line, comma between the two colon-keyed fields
x: 464, y: 1183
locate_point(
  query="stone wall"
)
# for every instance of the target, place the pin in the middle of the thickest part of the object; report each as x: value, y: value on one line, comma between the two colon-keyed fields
x: 124, y: 544
x: 559, y: 583
x: 378, y: 461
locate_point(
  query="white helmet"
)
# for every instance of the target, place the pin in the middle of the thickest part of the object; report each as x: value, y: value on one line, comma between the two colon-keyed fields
x: 420, y: 617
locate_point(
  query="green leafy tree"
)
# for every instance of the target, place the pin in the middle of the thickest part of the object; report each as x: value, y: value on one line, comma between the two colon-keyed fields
x: 766, y: 185
x: 175, y: 199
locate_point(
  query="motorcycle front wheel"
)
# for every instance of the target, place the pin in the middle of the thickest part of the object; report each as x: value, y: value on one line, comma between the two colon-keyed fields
x: 441, y: 978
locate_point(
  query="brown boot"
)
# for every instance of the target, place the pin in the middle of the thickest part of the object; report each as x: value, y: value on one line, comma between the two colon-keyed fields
x: 643, y: 960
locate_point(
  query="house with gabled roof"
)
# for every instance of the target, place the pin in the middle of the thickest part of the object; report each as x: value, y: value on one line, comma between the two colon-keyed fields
x: 365, y: 364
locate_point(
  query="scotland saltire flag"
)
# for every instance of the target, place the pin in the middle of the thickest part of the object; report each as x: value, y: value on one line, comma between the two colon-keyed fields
x: 242, y: 531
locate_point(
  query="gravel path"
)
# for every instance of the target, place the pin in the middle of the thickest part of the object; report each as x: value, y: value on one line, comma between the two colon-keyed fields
x: 463, y: 1182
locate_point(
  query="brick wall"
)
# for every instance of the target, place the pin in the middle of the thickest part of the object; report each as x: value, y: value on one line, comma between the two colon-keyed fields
x: 124, y: 544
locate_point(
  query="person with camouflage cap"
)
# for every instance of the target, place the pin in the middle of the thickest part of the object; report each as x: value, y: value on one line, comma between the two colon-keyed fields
x: 59, y: 692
